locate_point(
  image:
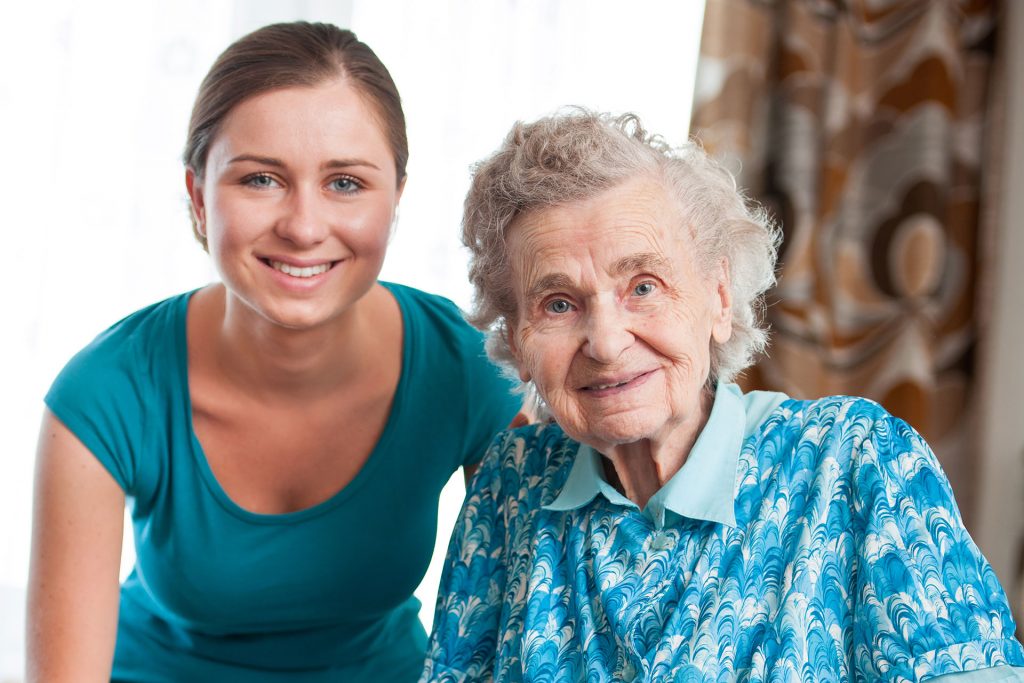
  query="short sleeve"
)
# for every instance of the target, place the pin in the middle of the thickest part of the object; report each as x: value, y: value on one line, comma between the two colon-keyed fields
x: 464, y: 640
x: 927, y: 602
x: 492, y: 402
x: 98, y: 398
x: 107, y: 390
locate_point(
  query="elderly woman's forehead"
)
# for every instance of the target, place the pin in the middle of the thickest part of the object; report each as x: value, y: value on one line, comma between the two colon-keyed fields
x: 643, y: 196
x: 620, y: 232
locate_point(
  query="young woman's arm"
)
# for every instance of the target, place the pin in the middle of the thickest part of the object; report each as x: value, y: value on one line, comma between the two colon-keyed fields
x: 78, y: 519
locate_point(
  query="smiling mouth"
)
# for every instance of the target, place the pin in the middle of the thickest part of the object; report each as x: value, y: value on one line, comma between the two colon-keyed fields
x: 598, y: 387
x: 615, y: 385
x: 301, y: 272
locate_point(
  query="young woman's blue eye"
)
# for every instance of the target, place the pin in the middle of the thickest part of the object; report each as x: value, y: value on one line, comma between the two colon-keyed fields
x: 344, y: 185
x: 559, y: 306
x: 644, y: 288
x: 260, y: 180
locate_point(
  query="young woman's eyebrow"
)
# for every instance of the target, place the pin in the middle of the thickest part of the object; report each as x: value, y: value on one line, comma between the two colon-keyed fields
x: 348, y: 163
x: 265, y: 161
x: 277, y: 163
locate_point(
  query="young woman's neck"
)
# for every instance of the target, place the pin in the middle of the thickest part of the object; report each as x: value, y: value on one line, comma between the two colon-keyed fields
x: 263, y: 357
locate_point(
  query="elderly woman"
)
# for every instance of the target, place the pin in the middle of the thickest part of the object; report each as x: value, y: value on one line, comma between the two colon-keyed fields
x: 667, y: 526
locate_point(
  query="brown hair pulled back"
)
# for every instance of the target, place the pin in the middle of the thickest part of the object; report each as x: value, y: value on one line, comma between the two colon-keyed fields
x: 286, y: 55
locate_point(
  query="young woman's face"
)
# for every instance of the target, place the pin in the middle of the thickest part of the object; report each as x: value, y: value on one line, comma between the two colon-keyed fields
x: 297, y: 202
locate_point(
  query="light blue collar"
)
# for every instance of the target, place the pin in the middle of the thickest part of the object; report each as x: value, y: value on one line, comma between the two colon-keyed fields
x: 704, y: 487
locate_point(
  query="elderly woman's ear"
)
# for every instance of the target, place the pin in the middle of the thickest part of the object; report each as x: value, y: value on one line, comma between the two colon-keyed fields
x: 721, y: 329
x: 514, y: 349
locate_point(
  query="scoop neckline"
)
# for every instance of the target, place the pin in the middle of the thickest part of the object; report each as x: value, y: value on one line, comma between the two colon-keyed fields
x: 335, y: 499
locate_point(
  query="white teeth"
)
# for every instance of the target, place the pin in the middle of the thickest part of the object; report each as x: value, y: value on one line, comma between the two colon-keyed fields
x: 295, y: 271
x: 608, y: 386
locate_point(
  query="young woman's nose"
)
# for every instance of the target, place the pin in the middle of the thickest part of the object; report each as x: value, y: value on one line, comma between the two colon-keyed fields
x: 301, y: 221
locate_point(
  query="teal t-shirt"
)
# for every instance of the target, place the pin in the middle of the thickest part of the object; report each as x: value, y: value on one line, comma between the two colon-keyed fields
x: 219, y: 593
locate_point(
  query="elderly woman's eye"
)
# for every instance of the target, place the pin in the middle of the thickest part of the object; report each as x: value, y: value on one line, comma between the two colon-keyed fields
x: 644, y: 288
x: 558, y: 306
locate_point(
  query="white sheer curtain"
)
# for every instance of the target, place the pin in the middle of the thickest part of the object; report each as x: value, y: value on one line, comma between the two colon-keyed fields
x: 94, y: 100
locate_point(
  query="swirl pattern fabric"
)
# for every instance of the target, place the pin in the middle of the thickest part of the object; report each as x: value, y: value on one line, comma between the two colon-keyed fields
x: 849, y: 562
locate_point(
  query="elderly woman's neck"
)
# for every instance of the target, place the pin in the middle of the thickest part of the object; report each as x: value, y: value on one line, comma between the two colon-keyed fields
x: 639, y: 469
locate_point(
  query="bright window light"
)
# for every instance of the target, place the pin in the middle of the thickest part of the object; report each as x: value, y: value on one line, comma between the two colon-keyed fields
x: 95, y: 98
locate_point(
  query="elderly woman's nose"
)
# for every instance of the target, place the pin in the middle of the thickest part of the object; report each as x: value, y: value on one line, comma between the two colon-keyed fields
x: 301, y: 221
x: 607, y: 333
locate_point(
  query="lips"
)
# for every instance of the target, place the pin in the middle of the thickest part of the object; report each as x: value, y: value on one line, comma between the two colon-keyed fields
x: 597, y: 387
x: 300, y: 271
x: 608, y: 384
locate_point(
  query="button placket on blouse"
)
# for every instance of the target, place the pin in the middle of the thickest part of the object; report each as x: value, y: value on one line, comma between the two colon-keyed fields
x: 628, y: 671
x: 662, y: 541
x: 659, y: 542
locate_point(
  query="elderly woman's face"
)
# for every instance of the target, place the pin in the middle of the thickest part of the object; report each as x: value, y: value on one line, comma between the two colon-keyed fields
x: 616, y: 319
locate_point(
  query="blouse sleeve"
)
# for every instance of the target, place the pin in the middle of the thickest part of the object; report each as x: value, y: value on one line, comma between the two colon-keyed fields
x: 464, y: 639
x: 927, y: 602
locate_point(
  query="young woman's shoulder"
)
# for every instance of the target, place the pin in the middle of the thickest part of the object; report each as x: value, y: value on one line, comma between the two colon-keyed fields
x: 143, y: 337
x: 433, y: 310
x: 447, y: 356
x: 105, y: 391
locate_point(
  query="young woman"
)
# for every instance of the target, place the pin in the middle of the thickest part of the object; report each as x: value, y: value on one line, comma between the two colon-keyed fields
x: 281, y: 437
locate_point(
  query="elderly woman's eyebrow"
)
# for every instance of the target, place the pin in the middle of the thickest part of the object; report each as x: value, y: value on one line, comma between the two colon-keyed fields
x: 644, y: 261
x: 548, y: 283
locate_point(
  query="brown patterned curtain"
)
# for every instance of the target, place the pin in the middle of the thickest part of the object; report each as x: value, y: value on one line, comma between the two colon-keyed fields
x: 862, y: 125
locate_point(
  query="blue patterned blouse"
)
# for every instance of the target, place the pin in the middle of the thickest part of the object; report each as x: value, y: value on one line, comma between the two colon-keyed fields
x: 841, y: 558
